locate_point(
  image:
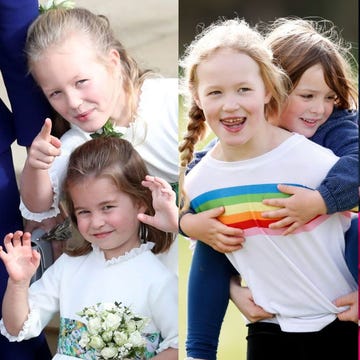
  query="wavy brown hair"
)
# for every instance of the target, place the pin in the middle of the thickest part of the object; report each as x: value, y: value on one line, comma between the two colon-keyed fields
x: 117, y: 160
x: 298, y: 44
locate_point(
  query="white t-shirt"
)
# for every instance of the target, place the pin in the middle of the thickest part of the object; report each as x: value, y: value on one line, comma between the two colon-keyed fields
x: 298, y: 276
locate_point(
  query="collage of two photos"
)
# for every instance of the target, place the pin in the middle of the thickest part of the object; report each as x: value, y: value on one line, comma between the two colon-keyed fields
x: 179, y: 180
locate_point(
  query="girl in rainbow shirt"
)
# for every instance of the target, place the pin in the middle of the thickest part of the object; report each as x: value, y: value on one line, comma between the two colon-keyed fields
x: 236, y: 89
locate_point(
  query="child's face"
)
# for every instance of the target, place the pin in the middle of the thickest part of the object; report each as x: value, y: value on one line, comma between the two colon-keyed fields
x: 106, y: 216
x: 78, y: 85
x: 310, y: 103
x: 232, y: 95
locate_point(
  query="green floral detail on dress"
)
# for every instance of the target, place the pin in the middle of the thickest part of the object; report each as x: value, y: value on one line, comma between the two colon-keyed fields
x: 107, y: 130
x: 152, y: 344
x: 70, y: 334
x: 69, y: 337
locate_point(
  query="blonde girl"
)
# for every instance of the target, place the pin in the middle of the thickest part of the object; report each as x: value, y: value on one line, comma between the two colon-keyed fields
x: 89, y: 78
x: 236, y: 88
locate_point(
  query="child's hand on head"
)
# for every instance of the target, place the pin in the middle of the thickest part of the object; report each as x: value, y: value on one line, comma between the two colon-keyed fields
x: 206, y: 227
x: 295, y: 211
x: 44, y: 148
x: 164, y: 203
x: 20, y: 260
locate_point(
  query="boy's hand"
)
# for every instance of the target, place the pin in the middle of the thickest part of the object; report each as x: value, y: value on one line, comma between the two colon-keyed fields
x: 20, y: 260
x: 205, y: 227
x: 44, y: 148
x: 302, y: 206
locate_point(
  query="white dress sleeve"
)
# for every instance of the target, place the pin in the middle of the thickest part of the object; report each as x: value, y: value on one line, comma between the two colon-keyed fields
x: 69, y: 141
x: 43, y: 303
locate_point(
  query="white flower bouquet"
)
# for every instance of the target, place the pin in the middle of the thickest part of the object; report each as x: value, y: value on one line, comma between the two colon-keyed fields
x: 113, y: 331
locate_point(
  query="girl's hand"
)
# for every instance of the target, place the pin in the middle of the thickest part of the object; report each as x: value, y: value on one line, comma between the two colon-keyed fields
x: 243, y: 300
x: 205, y: 226
x: 302, y: 206
x: 164, y: 203
x: 20, y: 260
x: 351, y: 300
x: 44, y: 148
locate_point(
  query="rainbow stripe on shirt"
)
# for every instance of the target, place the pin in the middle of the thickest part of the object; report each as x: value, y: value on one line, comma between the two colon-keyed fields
x: 243, y: 204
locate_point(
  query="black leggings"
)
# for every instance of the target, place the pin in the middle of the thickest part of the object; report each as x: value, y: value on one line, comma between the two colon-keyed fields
x: 337, y: 341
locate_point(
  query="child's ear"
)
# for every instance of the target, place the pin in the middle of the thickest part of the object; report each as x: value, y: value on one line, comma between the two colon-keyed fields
x: 197, y: 101
x: 268, y: 97
x: 114, y: 57
x: 142, y: 208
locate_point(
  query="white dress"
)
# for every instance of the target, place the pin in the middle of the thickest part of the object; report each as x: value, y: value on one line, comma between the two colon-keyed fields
x: 137, y: 279
x: 154, y: 134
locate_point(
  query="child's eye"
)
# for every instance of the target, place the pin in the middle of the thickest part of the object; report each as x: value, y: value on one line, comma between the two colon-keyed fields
x: 331, y: 97
x: 81, y: 82
x: 81, y: 212
x: 108, y: 207
x: 307, y: 96
x: 214, y: 92
x: 244, y: 90
x: 54, y: 94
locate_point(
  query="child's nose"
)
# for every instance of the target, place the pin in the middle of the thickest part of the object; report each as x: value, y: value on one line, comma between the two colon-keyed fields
x: 97, y: 221
x: 74, y: 102
x: 231, y: 103
x: 318, y: 107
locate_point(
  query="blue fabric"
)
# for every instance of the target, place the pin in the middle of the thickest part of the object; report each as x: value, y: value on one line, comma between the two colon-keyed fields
x: 340, y: 134
x: 29, y: 111
x: 352, y: 248
x: 208, y: 298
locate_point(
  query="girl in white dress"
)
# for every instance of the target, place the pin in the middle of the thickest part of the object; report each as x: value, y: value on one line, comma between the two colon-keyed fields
x: 114, y: 263
x: 89, y: 78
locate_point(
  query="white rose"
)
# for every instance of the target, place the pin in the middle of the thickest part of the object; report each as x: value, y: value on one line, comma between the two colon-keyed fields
x: 136, y: 339
x: 94, y: 326
x: 107, y: 336
x: 131, y: 326
x: 84, y: 339
x: 112, y: 322
x: 120, y: 338
x: 96, y: 342
x: 109, y: 352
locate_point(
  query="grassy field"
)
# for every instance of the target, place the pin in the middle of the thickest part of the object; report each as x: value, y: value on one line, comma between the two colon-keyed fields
x: 232, y: 338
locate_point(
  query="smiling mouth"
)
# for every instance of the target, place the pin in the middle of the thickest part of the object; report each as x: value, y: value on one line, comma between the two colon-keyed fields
x: 83, y: 116
x: 233, y: 121
x: 309, y: 121
x: 102, y: 234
